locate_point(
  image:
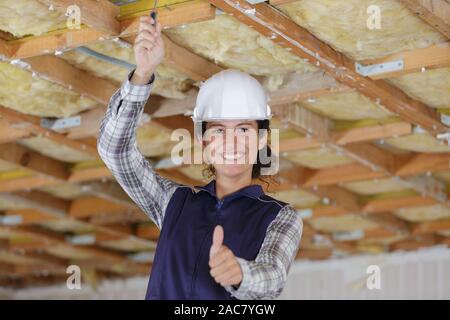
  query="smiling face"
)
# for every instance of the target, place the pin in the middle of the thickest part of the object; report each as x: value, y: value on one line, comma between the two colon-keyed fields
x: 231, y: 146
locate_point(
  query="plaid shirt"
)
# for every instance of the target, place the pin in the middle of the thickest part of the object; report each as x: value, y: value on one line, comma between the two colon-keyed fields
x: 264, y: 277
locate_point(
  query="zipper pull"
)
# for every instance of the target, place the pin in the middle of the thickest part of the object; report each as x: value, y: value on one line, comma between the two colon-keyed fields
x: 219, y: 204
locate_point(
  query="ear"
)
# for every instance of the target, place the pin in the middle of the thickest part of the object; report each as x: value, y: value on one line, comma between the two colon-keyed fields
x: 262, y: 139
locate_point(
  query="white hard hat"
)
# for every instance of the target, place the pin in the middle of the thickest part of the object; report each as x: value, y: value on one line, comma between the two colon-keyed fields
x: 231, y: 95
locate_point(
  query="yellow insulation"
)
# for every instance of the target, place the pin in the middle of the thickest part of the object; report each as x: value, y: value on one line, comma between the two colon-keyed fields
x: 68, y: 191
x: 67, y: 225
x: 29, y: 17
x: 69, y: 252
x: 297, y: 198
x: 169, y: 82
x: 372, y: 187
x: 444, y: 233
x: 419, y: 142
x: 154, y: 141
x: 427, y: 213
x: 349, y: 222
x: 129, y: 244
x: 347, y: 106
x: 12, y: 258
x: 431, y: 87
x: 6, y: 167
x: 443, y: 175
x: 382, y: 241
x: 7, y: 203
x: 232, y: 44
x: 343, y: 24
x: 20, y: 91
x: 54, y: 150
x: 318, y: 158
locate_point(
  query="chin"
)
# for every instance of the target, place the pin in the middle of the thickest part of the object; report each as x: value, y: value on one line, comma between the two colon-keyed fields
x: 232, y: 170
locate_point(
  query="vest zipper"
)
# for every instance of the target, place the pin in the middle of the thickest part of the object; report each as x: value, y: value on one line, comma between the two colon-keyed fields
x: 194, y: 278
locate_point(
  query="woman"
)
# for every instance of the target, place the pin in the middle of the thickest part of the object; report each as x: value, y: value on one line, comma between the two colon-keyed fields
x: 225, y: 240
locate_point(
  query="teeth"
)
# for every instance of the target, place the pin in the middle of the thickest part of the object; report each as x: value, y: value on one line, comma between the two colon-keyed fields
x: 233, y: 156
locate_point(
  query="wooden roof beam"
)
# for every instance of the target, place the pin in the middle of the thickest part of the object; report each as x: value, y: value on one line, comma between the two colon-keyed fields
x: 418, y: 164
x: 414, y: 243
x: 299, y: 87
x: 283, y: 31
x: 33, y: 162
x: 186, y: 62
x: 5, y: 50
x: 435, y: 12
x: 63, y: 73
x: 88, y: 206
x: 428, y: 227
x: 57, y: 41
x: 33, y: 124
x: 37, y: 200
x: 99, y: 15
x: 172, y: 15
x: 417, y: 60
x: 391, y: 204
x: 366, y: 154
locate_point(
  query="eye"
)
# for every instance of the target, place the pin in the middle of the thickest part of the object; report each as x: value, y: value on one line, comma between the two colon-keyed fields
x: 218, y: 130
x: 242, y: 130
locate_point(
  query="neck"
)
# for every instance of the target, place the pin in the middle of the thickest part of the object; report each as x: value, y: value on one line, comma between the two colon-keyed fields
x: 226, y: 185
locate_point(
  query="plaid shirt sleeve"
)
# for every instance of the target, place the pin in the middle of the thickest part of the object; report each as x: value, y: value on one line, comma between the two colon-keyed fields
x: 265, y: 277
x: 118, y: 149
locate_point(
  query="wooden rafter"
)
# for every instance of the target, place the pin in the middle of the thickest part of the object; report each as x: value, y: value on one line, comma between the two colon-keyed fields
x: 192, y: 65
x: 88, y: 206
x: 283, y: 31
x: 390, y: 204
x: 63, y: 73
x: 369, y: 155
x: 299, y: 87
x: 417, y: 60
x: 33, y: 124
x: 99, y: 15
x: 60, y: 40
x: 430, y: 226
x: 173, y: 15
x: 33, y: 161
x: 435, y: 12
x: 37, y: 200
x: 338, y: 197
x: 417, y: 164
x: 5, y: 50
x: 414, y: 243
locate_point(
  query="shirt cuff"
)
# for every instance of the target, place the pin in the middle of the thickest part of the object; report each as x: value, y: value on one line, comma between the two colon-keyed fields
x: 243, y: 289
x: 136, y: 93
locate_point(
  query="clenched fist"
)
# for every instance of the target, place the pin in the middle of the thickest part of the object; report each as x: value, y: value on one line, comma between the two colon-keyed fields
x: 225, y: 268
x: 148, y: 50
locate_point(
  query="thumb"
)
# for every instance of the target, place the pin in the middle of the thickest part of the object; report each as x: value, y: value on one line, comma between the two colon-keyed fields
x: 217, y: 240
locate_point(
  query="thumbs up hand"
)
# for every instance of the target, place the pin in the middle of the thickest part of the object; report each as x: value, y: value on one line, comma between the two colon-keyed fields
x: 225, y: 268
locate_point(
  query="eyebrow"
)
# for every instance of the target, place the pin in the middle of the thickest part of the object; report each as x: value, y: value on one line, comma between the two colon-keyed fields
x: 221, y: 125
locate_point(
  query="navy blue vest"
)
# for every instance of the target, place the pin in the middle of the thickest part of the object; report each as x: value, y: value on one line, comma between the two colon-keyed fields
x: 180, y: 268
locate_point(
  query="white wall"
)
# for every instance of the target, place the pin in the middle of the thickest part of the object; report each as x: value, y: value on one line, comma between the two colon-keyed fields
x: 423, y: 274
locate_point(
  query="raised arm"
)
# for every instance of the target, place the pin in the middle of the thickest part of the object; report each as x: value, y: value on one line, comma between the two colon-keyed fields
x: 116, y: 142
